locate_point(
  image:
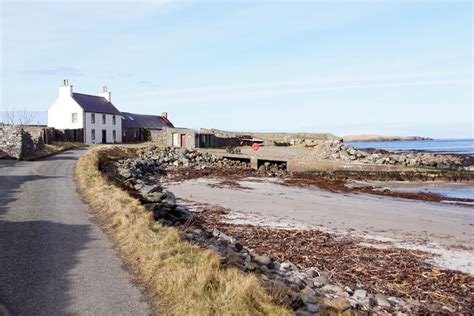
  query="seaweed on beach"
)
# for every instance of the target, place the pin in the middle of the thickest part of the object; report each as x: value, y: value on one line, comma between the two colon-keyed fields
x: 388, y: 270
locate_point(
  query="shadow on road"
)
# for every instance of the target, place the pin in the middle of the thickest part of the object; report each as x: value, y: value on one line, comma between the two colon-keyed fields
x: 36, y: 256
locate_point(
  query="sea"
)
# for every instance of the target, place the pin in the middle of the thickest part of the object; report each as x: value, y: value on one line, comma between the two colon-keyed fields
x: 445, y: 146
x: 441, y: 146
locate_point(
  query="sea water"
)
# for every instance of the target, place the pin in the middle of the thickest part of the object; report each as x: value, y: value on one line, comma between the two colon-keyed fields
x: 445, y: 146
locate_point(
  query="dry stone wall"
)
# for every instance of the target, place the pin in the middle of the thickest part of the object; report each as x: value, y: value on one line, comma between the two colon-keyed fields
x: 16, y: 142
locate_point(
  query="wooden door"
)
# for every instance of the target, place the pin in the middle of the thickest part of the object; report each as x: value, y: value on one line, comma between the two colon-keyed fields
x: 183, y: 141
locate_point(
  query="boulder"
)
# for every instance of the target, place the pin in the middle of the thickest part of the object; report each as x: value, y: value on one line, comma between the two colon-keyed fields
x: 262, y: 260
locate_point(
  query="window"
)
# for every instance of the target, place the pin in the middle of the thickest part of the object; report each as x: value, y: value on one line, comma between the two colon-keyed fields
x: 93, y: 118
x: 114, y: 134
x: 113, y: 119
x: 103, y: 119
x: 93, y: 134
x: 74, y: 117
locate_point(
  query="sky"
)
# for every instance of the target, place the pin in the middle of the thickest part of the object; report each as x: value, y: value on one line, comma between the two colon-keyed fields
x: 371, y: 67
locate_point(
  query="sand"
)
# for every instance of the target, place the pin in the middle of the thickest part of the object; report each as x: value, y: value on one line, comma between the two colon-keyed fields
x: 441, y: 229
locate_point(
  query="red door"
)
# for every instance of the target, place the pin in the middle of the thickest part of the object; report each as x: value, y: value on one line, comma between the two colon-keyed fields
x: 183, y: 141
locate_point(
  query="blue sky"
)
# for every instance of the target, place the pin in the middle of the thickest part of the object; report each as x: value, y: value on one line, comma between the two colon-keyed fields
x: 399, y: 67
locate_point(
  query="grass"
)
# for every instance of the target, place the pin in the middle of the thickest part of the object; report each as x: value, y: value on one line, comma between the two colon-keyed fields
x: 51, y: 149
x: 180, y: 278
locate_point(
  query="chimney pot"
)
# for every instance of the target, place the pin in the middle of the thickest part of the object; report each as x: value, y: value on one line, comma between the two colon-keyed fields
x: 165, y: 115
x: 65, y: 89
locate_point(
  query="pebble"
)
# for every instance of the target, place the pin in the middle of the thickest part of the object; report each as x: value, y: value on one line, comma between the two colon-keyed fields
x: 359, y: 294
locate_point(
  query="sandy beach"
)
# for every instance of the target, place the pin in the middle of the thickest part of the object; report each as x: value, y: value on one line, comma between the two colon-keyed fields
x: 445, y: 230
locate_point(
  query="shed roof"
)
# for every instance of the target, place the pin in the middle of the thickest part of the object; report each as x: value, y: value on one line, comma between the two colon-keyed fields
x: 133, y: 120
x: 92, y: 103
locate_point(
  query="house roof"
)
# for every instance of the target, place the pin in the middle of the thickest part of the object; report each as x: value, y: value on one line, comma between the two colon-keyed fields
x: 133, y: 120
x: 92, y: 103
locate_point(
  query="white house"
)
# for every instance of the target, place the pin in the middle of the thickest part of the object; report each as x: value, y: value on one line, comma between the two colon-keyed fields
x: 95, y: 117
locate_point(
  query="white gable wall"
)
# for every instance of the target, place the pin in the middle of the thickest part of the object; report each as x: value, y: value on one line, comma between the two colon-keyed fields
x: 98, y: 126
x: 60, y: 113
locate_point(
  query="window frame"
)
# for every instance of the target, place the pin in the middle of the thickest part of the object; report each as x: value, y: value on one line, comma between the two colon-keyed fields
x: 92, y: 118
x: 114, y: 120
x: 74, y: 117
x: 93, y: 134
x: 104, y: 119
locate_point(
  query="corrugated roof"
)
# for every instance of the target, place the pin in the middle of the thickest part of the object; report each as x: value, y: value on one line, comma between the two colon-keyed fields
x: 92, y: 103
x: 133, y: 120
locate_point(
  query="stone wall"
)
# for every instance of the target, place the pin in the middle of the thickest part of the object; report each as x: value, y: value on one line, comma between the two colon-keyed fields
x: 194, y: 139
x: 16, y: 142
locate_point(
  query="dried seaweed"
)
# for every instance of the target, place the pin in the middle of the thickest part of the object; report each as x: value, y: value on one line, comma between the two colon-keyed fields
x: 392, y: 271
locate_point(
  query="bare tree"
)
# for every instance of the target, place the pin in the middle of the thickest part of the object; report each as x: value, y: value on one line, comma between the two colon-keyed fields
x: 20, y: 118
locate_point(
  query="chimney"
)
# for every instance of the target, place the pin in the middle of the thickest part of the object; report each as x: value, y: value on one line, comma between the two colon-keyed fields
x: 105, y: 93
x: 65, y: 90
x: 165, y: 115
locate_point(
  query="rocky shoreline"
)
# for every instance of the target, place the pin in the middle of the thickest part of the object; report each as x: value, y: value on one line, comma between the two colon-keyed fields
x: 305, y: 290
x: 339, y: 151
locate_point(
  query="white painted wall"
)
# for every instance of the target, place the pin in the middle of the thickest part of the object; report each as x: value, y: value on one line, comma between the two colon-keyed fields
x: 98, y: 126
x: 60, y: 113
x: 60, y: 117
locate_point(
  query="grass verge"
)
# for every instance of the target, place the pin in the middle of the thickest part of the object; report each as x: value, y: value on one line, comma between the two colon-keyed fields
x: 181, y: 278
x: 54, y: 148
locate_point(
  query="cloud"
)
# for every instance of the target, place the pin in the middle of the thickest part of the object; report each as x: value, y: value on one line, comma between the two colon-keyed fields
x: 55, y: 71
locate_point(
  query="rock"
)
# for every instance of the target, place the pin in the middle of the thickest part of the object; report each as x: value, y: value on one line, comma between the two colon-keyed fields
x: 312, y: 308
x: 233, y: 257
x: 359, y: 294
x: 184, y: 213
x: 381, y: 300
x: 124, y: 173
x: 153, y: 197
x: 250, y: 266
x: 168, y: 198
x: 226, y: 238
x: 145, y: 189
x: 332, y: 288
x: 308, y: 281
x: 338, y: 304
x: 312, y: 272
x: 296, y: 280
x: 262, y: 260
x: 285, y: 266
x: 320, y: 281
x: 393, y: 300
x: 308, y: 296
x: 238, y: 246
x: 160, y: 211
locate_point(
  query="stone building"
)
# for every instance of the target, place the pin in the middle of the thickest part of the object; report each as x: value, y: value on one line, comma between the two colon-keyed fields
x: 140, y: 127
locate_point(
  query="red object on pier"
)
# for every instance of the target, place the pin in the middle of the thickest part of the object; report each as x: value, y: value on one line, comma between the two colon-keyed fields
x: 255, y: 146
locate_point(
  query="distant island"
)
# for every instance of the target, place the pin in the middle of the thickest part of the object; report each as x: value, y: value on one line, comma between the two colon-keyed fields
x: 381, y: 138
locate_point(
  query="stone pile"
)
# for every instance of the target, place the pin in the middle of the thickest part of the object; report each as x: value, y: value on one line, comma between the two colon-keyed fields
x: 308, y: 291
x: 337, y: 150
x: 153, y: 161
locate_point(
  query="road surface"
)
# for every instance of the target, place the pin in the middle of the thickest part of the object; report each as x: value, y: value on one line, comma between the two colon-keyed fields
x: 54, y: 260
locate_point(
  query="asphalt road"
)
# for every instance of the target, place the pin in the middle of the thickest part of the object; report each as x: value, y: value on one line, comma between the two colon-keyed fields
x: 54, y: 260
